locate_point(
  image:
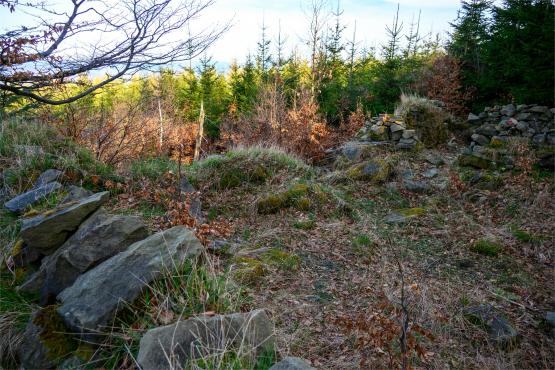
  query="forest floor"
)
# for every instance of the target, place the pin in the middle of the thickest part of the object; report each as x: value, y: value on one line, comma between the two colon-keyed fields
x: 343, y: 264
x: 332, y: 275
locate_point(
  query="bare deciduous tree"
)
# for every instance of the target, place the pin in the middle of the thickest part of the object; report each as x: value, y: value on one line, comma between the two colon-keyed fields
x: 113, y: 37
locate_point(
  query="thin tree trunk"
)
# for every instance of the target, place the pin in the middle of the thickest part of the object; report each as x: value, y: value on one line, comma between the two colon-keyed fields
x: 161, y: 124
x: 200, y: 132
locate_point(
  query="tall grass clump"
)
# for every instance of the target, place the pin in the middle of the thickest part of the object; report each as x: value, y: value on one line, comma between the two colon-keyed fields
x: 30, y: 147
x: 246, y: 165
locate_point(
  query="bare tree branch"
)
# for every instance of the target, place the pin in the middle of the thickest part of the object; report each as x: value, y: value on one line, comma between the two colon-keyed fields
x: 116, y: 38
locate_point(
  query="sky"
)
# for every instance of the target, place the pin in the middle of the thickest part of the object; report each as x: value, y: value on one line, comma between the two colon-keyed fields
x: 246, y: 18
x: 371, y: 18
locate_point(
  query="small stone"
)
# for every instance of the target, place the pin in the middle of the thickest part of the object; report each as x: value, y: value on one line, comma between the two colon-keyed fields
x: 522, y: 126
x: 508, y: 110
x: 496, y: 325
x: 292, y: 363
x: 431, y: 173
x: 409, y: 134
x: 480, y: 139
x: 379, y: 132
x: 488, y: 130
x: 395, y: 136
x: 396, y: 127
x: 75, y: 193
x: 416, y: 186
x: 22, y: 201
x: 472, y: 118
x: 435, y: 159
x: 539, y: 139
x: 540, y: 109
x: 523, y: 116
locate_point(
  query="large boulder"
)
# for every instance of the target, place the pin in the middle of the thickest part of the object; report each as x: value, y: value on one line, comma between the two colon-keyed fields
x: 93, y: 299
x: 171, y: 346
x: 20, y: 203
x: 292, y: 363
x: 47, y: 231
x: 100, y: 237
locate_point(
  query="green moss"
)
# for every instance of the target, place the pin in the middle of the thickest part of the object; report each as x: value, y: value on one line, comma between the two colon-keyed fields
x: 376, y: 171
x: 486, y: 248
x: 296, y: 196
x: 271, y: 204
x: 412, y: 212
x: 496, y: 143
x: 282, y: 259
x: 54, y: 334
x: 248, y: 270
x: 470, y: 160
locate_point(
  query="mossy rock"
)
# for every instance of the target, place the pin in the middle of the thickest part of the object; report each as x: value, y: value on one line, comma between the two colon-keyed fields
x: 54, y: 333
x: 486, y: 247
x: 375, y: 171
x: 471, y: 160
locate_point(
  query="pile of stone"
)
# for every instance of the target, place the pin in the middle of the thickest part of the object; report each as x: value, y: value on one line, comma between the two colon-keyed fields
x: 389, y: 128
x: 91, y: 262
x: 495, y: 125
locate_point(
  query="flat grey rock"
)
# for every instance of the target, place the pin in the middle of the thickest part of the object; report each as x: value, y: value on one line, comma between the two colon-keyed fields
x: 47, y: 231
x: 93, y: 299
x: 100, y: 237
x: 48, y: 176
x: 20, y: 203
x: 497, y: 326
x: 170, y: 347
x: 292, y: 363
x: 416, y: 186
x: 75, y: 193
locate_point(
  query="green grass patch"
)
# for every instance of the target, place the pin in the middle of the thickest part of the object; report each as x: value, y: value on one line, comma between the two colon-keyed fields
x: 32, y: 148
x: 486, y: 247
x: 363, y: 246
x: 524, y: 237
x: 152, y: 168
x: 244, y: 166
x: 305, y: 223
